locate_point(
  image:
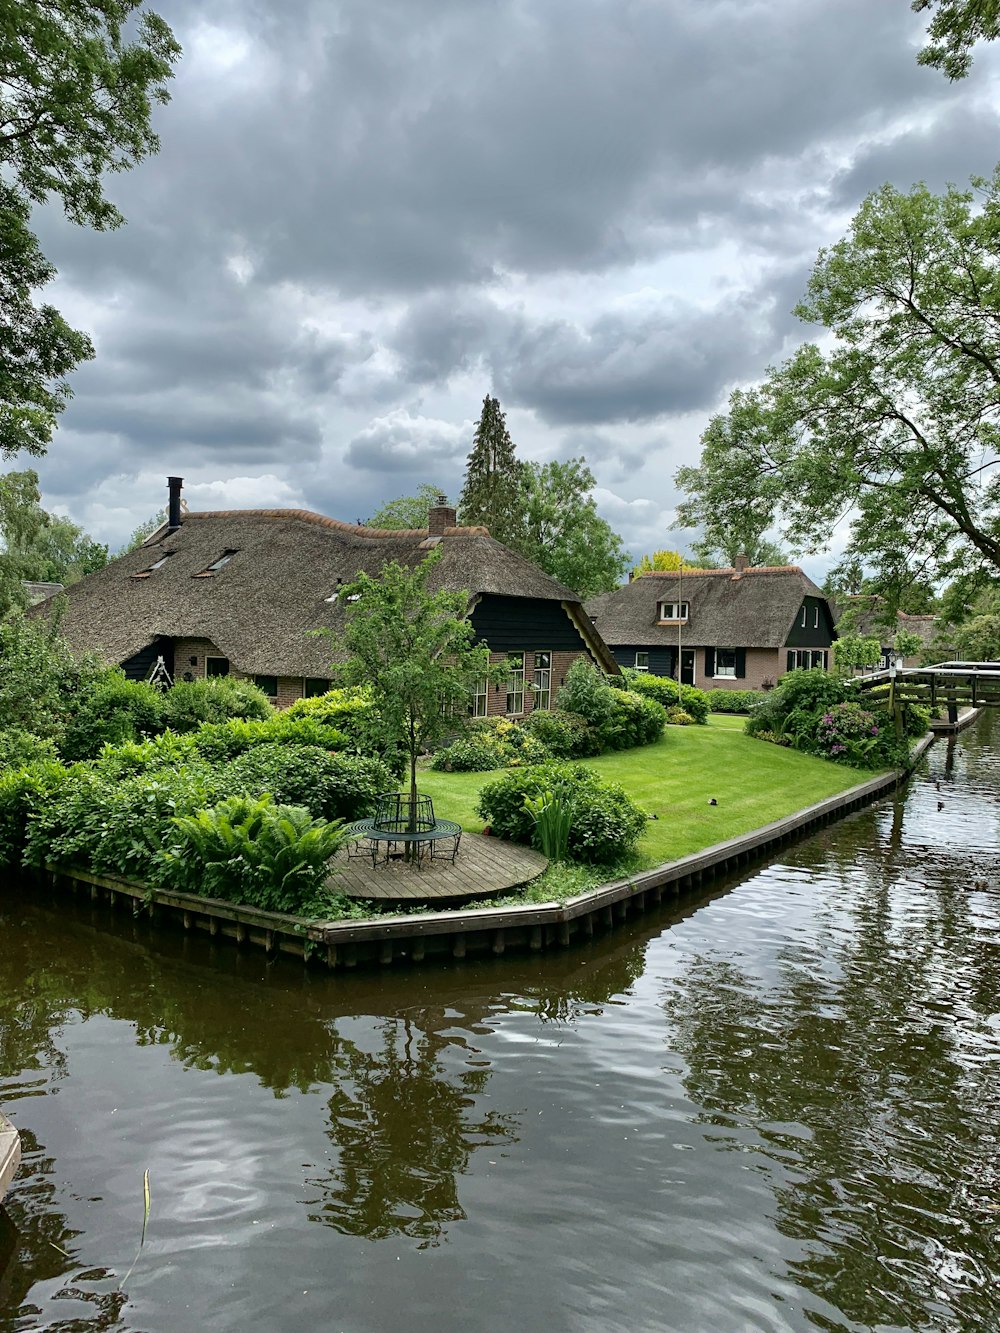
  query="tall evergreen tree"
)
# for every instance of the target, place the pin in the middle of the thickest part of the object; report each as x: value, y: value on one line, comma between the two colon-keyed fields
x: 493, y: 490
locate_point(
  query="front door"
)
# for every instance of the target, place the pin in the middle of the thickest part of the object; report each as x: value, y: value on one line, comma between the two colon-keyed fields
x: 687, y: 666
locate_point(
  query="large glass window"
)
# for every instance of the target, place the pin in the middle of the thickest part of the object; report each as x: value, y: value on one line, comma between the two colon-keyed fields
x: 480, y: 696
x: 216, y: 666
x: 515, y: 683
x: 542, y: 680
x: 641, y: 661
x: 314, y: 686
x: 269, y: 684
x: 805, y: 659
x: 725, y: 662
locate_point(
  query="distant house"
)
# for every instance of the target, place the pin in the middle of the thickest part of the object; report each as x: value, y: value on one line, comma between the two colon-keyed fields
x: 866, y: 623
x: 242, y: 592
x: 36, y: 592
x: 738, y: 628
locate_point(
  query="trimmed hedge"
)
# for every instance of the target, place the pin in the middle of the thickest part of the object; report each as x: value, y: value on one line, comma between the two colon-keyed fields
x: 564, y: 735
x: 329, y: 786
x: 606, y: 824
x: 189, y: 703
x: 664, y: 690
x: 734, y: 701
x: 225, y: 740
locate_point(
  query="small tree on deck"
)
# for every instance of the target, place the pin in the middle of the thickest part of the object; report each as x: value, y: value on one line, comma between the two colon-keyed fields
x: 415, y: 649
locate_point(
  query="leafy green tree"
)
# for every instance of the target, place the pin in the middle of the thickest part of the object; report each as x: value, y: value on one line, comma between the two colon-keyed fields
x: 76, y: 94
x: 896, y: 428
x: 978, y: 639
x: 494, y: 482
x: 725, y: 550
x: 562, y: 532
x: 955, y: 27
x: 856, y: 651
x: 143, y: 530
x: 408, y: 511
x: 414, y: 648
x: 37, y: 545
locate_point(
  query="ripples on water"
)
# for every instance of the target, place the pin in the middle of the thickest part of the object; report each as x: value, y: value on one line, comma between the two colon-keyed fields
x: 775, y: 1110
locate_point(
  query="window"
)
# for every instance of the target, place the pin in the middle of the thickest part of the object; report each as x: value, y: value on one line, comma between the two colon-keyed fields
x: 157, y: 564
x: 815, y: 617
x: 269, y: 684
x: 806, y: 659
x: 725, y: 662
x: 215, y: 566
x: 480, y: 695
x: 313, y: 686
x: 673, y: 610
x: 802, y: 618
x: 641, y: 661
x: 515, y: 684
x: 542, y: 681
x: 216, y: 666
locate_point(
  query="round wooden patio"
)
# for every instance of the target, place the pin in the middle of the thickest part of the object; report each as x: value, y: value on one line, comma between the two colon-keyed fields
x: 483, y: 868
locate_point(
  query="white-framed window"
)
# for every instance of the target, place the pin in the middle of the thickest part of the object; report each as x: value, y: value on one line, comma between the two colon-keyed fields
x: 641, y: 661
x: 674, y: 610
x: 806, y: 659
x: 480, y: 697
x: 725, y: 662
x: 216, y: 666
x: 515, y: 683
x: 542, y: 680
x: 815, y: 617
x: 802, y: 617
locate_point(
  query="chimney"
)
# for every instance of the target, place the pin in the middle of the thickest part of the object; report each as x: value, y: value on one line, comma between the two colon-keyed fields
x: 440, y: 516
x: 174, y: 485
x: 740, y: 563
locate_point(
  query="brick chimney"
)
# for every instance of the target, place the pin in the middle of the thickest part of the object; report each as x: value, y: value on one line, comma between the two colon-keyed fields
x: 440, y: 516
x: 741, y: 563
x: 174, y: 485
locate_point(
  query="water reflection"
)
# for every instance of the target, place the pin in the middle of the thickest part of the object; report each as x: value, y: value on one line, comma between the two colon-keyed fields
x: 775, y: 1108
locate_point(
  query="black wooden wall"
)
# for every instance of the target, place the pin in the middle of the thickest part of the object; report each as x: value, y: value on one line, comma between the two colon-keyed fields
x: 534, y: 624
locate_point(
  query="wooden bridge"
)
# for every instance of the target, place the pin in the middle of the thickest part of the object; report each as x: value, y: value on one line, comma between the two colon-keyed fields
x: 951, y: 685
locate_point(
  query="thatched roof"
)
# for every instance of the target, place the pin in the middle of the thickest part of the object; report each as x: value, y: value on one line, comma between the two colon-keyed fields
x: 868, y: 618
x: 751, y: 608
x: 260, y: 609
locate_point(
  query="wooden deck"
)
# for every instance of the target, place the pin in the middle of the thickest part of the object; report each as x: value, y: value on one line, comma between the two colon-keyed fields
x: 483, y: 868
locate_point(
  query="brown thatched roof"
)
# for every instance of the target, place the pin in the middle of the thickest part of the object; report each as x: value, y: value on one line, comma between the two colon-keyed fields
x: 751, y: 608
x: 260, y: 609
x: 868, y: 618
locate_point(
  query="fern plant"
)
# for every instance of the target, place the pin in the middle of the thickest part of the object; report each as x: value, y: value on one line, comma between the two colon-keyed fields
x: 252, y: 851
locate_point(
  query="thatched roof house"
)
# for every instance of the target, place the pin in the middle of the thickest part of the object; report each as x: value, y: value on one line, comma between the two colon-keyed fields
x: 736, y: 628
x: 244, y: 591
x: 865, y: 616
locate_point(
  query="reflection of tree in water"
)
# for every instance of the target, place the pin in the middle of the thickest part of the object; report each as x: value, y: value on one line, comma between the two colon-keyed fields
x: 404, y: 1128
x: 873, y: 1037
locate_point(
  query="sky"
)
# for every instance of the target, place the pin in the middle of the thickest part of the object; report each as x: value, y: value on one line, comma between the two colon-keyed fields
x: 367, y: 215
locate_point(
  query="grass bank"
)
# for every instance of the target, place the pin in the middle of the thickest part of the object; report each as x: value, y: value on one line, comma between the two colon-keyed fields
x: 674, y: 779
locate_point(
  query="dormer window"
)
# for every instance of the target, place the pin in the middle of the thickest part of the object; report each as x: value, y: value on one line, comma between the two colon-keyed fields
x: 157, y: 564
x: 673, y: 611
x: 216, y: 565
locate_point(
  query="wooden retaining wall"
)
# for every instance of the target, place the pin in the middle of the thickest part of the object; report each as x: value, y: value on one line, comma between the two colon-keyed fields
x: 10, y: 1154
x: 490, y: 930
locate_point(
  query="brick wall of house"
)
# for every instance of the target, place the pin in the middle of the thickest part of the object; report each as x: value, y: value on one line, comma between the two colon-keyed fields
x: 496, y: 699
x: 190, y: 657
x: 761, y: 664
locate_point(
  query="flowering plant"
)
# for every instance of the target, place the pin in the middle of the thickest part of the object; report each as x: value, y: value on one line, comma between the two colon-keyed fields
x: 847, y: 733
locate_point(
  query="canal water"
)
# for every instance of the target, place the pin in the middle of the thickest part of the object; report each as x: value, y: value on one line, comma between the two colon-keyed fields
x: 776, y: 1107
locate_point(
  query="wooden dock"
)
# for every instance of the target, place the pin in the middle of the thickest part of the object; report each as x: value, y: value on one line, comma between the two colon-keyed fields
x: 483, y: 868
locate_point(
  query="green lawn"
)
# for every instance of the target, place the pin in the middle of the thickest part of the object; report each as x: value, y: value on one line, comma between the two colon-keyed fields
x: 752, y: 781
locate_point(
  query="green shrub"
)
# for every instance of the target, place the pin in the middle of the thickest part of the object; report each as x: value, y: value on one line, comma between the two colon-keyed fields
x: 666, y: 691
x: 618, y: 718
x: 849, y: 734
x: 168, y: 750
x: 192, y: 702
x: 329, y: 786
x: 220, y: 741
x: 23, y: 792
x: 794, y: 707
x: 469, y: 754
x: 251, y: 851
x: 19, y: 747
x: 111, y: 710
x: 41, y: 679
x: 491, y: 742
x: 916, y: 720
x: 564, y: 735
x: 553, y: 816
x: 114, y: 825
x: 734, y: 701
x: 606, y: 824
x: 678, y: 717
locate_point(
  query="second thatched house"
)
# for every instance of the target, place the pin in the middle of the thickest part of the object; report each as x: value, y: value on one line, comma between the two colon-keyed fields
x: 242, y: 592
x: 738, y: 628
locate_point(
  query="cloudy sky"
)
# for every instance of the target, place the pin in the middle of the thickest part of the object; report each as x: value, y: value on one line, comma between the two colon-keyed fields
x: 366, y: 215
